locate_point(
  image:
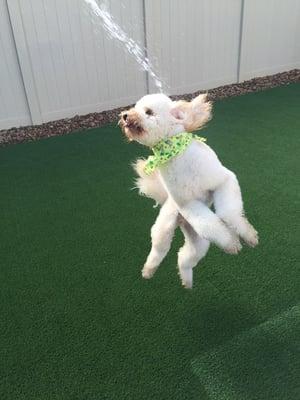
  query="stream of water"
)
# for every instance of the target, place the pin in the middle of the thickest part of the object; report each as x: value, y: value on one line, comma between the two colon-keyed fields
x: 115, y: 31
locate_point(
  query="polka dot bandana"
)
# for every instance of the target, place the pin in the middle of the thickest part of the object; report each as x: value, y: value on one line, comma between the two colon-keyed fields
x: 166, y: 149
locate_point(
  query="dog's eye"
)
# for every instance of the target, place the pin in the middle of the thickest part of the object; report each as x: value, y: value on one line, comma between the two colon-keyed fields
x: 148, y: 111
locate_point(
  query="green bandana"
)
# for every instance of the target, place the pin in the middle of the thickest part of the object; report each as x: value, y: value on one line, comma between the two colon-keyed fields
x: 169, y: 148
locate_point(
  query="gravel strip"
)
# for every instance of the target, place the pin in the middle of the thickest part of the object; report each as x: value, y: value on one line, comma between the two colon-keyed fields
x: 82, y: 122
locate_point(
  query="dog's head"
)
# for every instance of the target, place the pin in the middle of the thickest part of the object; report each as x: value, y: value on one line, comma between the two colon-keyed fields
x: 156, y: 117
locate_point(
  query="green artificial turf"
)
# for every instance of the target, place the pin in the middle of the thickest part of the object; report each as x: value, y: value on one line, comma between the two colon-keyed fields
x: 77, y: 321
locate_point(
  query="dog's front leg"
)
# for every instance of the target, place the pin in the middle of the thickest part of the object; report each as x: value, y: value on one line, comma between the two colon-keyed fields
x: 209, y: 226
x: 161, y: 234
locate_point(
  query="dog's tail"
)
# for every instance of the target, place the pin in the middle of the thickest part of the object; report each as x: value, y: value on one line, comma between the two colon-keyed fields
x: 149, y: 185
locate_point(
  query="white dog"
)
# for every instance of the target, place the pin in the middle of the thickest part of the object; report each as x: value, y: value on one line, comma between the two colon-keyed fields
x: 185, y: 183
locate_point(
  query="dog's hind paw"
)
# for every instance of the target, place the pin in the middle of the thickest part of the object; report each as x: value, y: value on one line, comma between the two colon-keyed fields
x: 147, y: 272
x: 252, y: 238
x: 234, y: 247
x: 187, y: 284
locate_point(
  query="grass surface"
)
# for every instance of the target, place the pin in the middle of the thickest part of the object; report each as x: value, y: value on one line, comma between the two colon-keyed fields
x: 78, y: 322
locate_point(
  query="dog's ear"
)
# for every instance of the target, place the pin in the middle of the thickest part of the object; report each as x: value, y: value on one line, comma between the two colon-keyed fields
x: 179, y: 109
x: 199, y: 100
x: 193, y: 114
x: 200, y: 113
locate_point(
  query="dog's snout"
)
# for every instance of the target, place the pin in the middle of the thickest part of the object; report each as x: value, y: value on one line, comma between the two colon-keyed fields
x: 125, y: 115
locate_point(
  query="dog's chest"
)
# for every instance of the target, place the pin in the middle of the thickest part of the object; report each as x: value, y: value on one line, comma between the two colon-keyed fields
x: 192, y: 174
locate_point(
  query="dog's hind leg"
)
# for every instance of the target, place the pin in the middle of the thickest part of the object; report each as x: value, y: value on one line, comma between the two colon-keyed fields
x: 209, y: 226
x: 228, y: 204
x: 193, y: 250
x: 161, y: 234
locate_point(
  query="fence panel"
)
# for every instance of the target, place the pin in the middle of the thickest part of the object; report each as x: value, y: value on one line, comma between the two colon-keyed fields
x: 57, y: 61
x: 194, y: 44
x: 270, y: 38
x: 13, y: 104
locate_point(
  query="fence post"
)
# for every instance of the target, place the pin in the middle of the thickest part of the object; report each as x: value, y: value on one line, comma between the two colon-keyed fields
x: 240, y: 40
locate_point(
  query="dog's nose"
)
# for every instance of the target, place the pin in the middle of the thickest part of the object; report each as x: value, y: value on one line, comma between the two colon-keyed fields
x: 125, y: 116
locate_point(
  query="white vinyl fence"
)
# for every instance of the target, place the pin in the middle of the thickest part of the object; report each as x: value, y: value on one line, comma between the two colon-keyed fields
x: 57, y: 61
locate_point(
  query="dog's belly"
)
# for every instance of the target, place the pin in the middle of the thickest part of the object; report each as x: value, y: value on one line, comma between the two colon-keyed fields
x: 193, y: 175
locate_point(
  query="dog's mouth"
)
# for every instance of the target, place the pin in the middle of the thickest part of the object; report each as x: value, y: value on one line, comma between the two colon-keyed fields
x: 130, y: 126
x: 134, y: 127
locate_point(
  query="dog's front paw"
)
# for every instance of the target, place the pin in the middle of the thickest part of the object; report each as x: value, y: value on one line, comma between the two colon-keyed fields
x: 139, y: 167
x: 147, y: 272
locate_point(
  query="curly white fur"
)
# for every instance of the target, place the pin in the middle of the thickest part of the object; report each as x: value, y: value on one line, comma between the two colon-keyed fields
x: 186, y: 186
